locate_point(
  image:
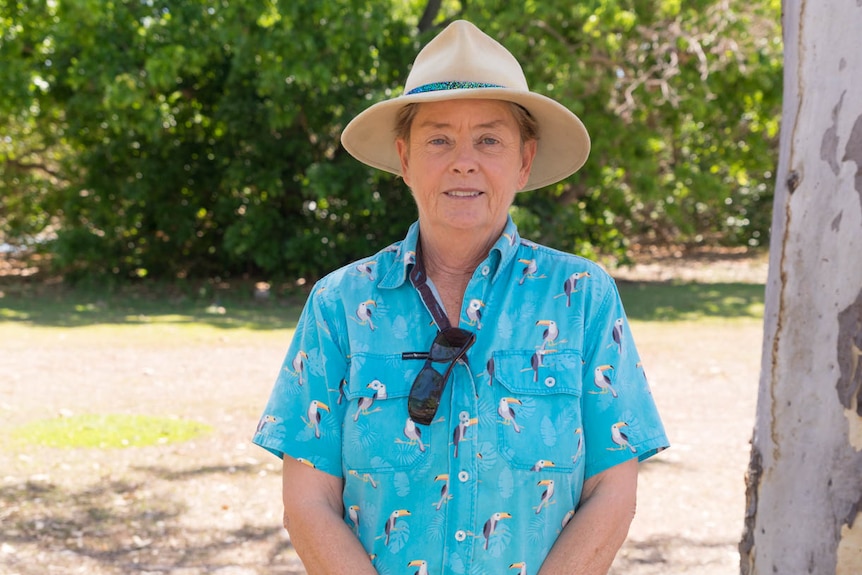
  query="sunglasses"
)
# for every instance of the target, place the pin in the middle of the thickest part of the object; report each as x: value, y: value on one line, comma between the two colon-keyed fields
x: 449, y: 346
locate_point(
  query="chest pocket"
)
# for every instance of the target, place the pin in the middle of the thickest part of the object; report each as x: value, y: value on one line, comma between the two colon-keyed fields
x: 538, y: 398
x: 377, y: 435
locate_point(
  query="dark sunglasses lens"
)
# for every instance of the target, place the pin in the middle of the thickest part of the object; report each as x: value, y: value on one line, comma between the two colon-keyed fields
x: 451, y: 344
x: 425, y: 395
x: 443, y: 350
x: 458, y: 337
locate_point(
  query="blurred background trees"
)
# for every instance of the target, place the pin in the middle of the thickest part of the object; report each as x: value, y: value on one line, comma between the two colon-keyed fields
x: 195, y: 138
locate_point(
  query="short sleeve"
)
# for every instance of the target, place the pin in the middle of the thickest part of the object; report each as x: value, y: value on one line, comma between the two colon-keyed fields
x: 620, y: 417
x: 303, y: 415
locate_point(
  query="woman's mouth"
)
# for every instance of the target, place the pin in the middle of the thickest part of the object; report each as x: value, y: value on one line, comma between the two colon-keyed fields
x: 463, y: 193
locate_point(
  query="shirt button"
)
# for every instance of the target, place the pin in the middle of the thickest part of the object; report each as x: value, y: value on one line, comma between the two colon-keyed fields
x: 485, y: 270
x: 550, y: 381
x: 460, y: 535
x: 463, y: 477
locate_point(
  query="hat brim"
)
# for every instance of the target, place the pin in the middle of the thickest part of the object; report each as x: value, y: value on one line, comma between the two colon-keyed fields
x: 563, y: 146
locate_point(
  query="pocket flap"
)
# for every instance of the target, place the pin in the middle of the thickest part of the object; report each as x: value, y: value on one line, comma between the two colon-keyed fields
x: 539, y: 372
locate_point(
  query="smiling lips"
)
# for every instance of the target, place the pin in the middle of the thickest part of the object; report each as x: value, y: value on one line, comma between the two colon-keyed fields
x: 463, y: 193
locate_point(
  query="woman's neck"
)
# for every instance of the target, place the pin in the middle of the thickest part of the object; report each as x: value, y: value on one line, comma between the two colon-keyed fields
x: 451, y: 259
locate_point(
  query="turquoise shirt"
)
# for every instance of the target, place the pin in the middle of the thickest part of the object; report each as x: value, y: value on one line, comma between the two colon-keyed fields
x: 552, y: 393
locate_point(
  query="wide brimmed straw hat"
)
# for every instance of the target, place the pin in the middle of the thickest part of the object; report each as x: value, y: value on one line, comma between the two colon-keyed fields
x: 459, y: 63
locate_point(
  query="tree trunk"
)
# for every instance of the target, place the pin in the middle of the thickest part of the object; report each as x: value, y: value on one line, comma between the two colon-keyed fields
x: 804, y: 483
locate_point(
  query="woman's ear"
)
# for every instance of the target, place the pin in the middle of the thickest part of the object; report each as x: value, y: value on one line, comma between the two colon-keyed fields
x: 528, y: 153
x: 404, y: 155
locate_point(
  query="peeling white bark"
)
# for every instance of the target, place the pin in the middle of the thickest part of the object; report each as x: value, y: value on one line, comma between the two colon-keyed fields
x: 804, y: 511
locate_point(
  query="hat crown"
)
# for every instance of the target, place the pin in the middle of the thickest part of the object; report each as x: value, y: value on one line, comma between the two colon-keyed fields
x: 463, y: 53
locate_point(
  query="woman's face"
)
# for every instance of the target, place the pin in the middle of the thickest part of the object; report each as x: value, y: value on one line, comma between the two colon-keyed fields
x: 464, y: 163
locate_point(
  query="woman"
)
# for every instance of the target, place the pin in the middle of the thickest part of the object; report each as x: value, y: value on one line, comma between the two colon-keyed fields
x: 464, y: 401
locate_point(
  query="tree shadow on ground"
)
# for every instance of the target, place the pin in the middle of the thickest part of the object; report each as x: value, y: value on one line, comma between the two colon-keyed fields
x: 120, y: 526
x: 670, y: 554
x: 171, y: 474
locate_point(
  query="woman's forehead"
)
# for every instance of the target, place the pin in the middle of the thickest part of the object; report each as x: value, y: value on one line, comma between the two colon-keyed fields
x: 474, y: 113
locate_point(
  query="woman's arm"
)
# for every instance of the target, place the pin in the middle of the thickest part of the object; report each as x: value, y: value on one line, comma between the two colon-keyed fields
x: 589, y: 543
x: 313, y: 515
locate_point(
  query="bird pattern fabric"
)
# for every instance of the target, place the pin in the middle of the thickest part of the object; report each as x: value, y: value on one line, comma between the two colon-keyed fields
x: 551, y: 393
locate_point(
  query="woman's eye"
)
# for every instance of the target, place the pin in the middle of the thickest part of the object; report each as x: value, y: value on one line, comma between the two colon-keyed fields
x: 437, y: 141
x: 489, y: 141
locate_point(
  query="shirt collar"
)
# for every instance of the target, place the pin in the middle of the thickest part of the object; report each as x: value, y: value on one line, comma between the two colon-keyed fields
x: 405, y: 257
x: 503, y: 251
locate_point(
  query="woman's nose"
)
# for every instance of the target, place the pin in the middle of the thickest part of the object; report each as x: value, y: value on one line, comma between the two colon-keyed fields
x: 465, y: 158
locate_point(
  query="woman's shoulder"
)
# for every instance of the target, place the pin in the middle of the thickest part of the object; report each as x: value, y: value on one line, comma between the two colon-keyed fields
x: 563, y: 263
x: 362, y: 272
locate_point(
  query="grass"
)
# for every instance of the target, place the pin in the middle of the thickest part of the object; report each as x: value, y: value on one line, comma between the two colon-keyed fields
x: 35, y: 316
x: 644, y: 301
x: 222, y: 309
x: 104, y: 431
x: 659, y: 302
x: 154, y: 319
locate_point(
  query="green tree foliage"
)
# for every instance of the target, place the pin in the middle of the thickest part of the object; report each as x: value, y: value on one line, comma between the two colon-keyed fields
x: 682, y: 102
x: 205, y: 134
x: 32, y: 147
x: 200, y: 137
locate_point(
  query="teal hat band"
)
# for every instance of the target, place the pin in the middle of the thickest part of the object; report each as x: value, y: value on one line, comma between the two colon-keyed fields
x: 440, y: 86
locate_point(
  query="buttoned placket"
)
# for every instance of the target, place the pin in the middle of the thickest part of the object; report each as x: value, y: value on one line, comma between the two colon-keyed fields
x: 464, y: 527
x: 463, y: 469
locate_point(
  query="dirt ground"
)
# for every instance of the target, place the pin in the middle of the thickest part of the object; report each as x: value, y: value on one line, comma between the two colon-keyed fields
x: 212, y: 505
